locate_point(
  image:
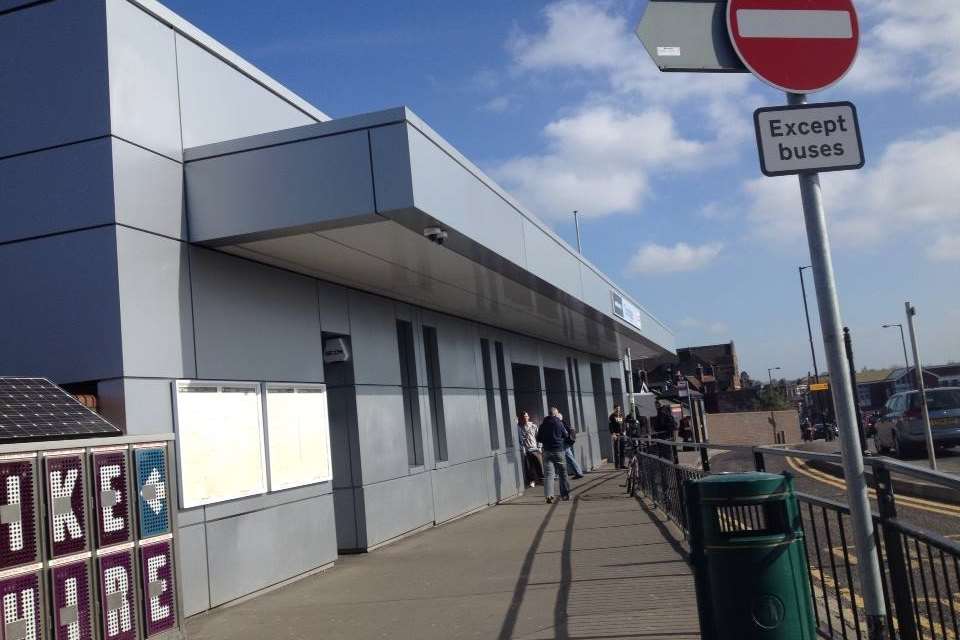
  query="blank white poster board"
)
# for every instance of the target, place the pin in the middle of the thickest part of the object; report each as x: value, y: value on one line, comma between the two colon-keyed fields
x: 298, y: 435
x: 220, y: 441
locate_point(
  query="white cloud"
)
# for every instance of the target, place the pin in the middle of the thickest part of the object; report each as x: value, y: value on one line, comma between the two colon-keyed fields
x: 499, y: 104
x: 945, y: 249
x: 598, y: 161
x: 655, y: 258
x: 912, y: 44
x: 906, y: 188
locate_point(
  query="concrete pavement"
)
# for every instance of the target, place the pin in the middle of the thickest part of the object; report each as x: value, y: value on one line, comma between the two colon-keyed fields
x: 596, y: 567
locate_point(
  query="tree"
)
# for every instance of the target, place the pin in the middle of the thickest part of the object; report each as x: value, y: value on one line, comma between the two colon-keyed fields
x: 771, y: 398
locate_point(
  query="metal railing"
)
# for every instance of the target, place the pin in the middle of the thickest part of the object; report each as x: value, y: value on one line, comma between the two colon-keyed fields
x: 920, y: 568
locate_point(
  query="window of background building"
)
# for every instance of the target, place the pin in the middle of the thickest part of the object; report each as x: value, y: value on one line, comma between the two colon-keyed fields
x: 488, y: 390
x: 435, y: 390
x: 504, y: 397
x: 411, y: 393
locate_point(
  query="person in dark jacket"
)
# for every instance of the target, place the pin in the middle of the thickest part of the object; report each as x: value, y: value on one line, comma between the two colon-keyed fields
x: 552, y: 434
x: 616, y: 436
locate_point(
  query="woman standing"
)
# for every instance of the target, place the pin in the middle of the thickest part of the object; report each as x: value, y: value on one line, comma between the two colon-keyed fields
x: 532, y: 461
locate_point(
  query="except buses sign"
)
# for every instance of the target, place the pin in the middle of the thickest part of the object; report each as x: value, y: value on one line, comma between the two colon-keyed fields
x: 814, y: 137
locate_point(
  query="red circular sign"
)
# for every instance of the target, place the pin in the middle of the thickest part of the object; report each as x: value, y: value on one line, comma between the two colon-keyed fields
x: 800, y: 46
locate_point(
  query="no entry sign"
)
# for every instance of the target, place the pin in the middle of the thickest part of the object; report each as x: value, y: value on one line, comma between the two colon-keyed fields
x: 798, y: 46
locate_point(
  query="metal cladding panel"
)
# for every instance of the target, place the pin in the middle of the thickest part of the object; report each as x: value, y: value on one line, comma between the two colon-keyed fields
x: 157, y: 587
x: 46, y: 344
x: 66, y: 484
x: 194, y: 582
x: 302, y: 185
x: 219, y: 103
x: 22, y: 607
x: 117, y: 588
x: 18, y: 513
x: 111, y: 496
x: 468, y: 433
x: 382, y: 434
x: 443, y: 187
x: 272, y: 314
x: 55, y: 63
x: 56, y: 190
x: 259, y: 549
x: 460, y: 488
x: 389, y: 147
x: 153, y: 501
x: 156, y: 320
x: 148, y: 191
x: 459, y: 352
x: 70, y: 586
x: 144, y: 101
x: 395, y: 507
x: 373, y: 329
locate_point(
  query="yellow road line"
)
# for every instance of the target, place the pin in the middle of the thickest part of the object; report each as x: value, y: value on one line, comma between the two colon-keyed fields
x: 916, y: 503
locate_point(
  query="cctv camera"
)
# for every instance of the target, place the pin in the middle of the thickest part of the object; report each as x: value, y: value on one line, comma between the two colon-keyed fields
x: 435, y: 234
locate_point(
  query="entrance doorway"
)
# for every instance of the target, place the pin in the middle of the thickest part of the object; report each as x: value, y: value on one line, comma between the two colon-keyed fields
x: 556, y: 383
x: 528, y: 391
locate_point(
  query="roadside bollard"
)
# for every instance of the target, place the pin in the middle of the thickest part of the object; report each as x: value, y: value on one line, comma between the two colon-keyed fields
x: 746, y: 547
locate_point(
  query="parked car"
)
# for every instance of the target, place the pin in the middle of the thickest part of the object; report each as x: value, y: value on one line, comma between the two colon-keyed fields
x: 900, y: 430
x: 825, y: 431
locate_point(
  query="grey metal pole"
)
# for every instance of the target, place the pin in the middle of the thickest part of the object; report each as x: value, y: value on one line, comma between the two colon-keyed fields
x: 918, y: 371
x: 576, y: 223
x: 832, y: 328
x: 629, y: 369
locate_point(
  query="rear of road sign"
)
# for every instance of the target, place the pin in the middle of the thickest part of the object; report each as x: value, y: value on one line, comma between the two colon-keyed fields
x: 681, y: 35
x: 808, y: 138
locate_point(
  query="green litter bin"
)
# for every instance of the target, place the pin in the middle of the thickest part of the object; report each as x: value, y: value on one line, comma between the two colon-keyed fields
x: 747, y: 551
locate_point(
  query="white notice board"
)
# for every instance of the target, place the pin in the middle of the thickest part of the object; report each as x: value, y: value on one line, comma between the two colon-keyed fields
x: 298, y: 435
x: 219, y: 441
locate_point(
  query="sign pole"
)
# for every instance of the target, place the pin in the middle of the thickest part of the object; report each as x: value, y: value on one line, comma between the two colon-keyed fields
x: 843, y: 398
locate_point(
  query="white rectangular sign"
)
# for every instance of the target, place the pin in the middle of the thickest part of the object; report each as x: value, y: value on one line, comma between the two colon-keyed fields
x: 625, y: 310
x: 807, y: 138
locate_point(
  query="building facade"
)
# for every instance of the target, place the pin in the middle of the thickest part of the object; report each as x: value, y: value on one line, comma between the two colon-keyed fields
x: 212, y: 256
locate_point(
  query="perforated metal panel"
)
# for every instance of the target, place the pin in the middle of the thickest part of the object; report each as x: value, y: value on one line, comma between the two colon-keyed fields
x: 116, y: 583
x: 152, y: 493
x: 22, y: 607
x: 72, y: 614
x: 157, y: 587
x: 111, y: 496
x: 18, y: 512
x: 66, y: 490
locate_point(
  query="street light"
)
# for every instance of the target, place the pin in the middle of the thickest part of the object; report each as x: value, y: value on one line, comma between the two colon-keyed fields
x: 773, y: 419
x: 903, y: 341
x: 806, y: 311
x: 576, y: 223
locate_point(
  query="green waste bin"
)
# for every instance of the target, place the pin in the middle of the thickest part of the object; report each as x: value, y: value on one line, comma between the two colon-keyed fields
x: 747, y: 551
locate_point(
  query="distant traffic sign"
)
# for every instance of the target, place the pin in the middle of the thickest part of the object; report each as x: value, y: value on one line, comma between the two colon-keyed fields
x: 810, y: 137
x: 681, y: 35
x: 820, y: 386
x: 797, y: 46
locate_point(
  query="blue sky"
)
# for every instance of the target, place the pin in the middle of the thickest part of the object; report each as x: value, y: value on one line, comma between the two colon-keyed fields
x: 560, y: 103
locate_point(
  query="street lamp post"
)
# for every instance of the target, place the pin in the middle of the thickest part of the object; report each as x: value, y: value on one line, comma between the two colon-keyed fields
x: 806, y: 312
x: 903, y: 341
x: 576, y: 223
x: 773, y: 419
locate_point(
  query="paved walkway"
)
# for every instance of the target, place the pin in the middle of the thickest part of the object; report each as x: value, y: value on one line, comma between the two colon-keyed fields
x: 596, y: 567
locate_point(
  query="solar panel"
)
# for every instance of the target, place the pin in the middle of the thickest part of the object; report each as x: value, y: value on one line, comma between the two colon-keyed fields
x: 37, y: 409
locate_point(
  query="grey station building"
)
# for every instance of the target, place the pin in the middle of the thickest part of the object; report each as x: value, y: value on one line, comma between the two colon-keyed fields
x: 212, y: 256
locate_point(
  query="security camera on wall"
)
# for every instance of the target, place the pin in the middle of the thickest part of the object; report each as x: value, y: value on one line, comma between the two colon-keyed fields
x: 435, y: 234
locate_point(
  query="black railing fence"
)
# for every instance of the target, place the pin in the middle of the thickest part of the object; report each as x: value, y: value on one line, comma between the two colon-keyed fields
x: 920, y: 568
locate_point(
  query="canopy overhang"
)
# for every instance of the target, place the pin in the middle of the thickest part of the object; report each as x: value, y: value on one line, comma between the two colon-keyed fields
x: 348, y: 201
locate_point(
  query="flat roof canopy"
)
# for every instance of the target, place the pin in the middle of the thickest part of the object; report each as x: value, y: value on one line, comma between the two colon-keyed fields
x: 348, y: 201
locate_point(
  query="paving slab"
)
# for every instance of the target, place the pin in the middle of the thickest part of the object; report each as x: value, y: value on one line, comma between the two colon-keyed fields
x: 597, y: 567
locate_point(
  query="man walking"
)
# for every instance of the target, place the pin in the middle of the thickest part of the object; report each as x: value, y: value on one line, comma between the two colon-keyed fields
x: 616, y: 435
x: 552, y: 434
